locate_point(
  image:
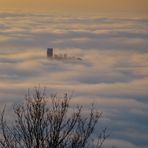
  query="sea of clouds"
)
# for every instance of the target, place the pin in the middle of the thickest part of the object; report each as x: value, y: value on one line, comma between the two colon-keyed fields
x: 113, y: 72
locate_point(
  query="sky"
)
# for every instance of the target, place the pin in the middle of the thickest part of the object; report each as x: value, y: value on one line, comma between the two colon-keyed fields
x: 130, y: 7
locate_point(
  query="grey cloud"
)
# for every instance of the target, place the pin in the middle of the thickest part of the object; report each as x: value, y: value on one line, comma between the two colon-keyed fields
x: 108, y: 77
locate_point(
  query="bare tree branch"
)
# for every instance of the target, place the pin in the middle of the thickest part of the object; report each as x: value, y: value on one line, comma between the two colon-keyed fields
x: 43, y: 122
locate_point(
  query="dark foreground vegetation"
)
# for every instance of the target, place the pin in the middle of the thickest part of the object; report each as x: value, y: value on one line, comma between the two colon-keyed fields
x: 51, y: 122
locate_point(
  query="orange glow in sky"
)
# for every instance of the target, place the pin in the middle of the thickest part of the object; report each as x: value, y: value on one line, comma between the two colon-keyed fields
x: 80, y: 6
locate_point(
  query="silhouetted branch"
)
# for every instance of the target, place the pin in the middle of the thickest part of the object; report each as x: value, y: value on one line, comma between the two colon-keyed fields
x: 43, y: 122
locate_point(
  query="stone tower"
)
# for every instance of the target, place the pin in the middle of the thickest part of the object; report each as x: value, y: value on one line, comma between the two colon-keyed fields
x: 49, y: 52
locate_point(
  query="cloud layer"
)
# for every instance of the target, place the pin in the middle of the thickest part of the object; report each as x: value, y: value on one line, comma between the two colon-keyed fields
x: 113, y: 72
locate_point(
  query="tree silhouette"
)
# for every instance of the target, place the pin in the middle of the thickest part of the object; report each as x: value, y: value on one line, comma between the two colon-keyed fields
x: 50, y: 122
